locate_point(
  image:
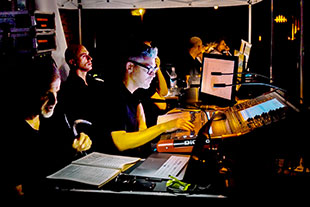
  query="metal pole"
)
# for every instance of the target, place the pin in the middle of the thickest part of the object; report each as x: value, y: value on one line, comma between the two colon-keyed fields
x: 250, y: 22
x: 301, y: 51
x: 271, y: 40
x: 80, y: 20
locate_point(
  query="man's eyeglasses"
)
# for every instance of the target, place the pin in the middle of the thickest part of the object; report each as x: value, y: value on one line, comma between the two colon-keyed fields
x: 149, y: 68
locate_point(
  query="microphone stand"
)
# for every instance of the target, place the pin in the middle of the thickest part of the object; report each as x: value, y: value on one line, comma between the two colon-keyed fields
x: 255, y: 74
x: 202, y: 138
x: 222, y: 85
x: 202, y: 164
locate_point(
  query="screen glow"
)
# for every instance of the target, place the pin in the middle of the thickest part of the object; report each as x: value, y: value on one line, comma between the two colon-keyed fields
x: 259, y: 109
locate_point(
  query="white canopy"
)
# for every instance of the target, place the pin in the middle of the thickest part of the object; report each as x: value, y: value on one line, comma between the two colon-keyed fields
x: 149, y: 4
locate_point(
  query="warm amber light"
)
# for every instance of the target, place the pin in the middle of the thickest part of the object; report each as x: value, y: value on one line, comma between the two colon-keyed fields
x: 280, y: 19
x: 42, y: 19
x: 138, y: 12
x: 42, y: 41
x: 293, y: 32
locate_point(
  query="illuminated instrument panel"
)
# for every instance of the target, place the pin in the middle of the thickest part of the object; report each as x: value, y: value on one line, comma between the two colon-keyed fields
x: 237, y: 120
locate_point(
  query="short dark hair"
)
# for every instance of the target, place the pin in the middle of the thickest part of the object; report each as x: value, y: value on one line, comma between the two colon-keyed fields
x: 192, y: 42
x: 71, y: 52
x: 135, y: 49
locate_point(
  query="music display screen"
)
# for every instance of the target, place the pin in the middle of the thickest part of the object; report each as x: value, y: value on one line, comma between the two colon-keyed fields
x: 259, y: 109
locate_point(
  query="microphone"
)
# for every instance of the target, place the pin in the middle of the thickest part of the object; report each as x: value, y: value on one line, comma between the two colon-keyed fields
x: 220, y: 73
x: 246, y: 73
x: 203, y: 136
x: 206, y: 127
x: 222, y: 85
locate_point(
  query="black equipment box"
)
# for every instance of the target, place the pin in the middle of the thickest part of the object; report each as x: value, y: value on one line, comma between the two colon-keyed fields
x: 26, y: 32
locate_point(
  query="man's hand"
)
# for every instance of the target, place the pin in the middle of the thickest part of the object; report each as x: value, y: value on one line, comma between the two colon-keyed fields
x: 82, y: 143
x: 179, y: 123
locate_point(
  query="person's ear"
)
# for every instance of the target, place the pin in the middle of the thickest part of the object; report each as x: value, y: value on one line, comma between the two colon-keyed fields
x: 72, y: 62
x: 129, y: 66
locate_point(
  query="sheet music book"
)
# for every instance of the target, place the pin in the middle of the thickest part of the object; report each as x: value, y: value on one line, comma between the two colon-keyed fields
x: 95, y: 169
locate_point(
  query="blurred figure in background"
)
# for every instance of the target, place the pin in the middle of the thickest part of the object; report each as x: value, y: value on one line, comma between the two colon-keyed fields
x: 220, y: 47
x: 189, y: 66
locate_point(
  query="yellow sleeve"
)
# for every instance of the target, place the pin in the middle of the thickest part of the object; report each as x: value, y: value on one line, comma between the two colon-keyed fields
x: 128, y: 140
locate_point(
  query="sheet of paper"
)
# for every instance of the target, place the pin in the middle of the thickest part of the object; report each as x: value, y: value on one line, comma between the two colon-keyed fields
x: 106, y: 160
x: 85, y: 174
x: 172, y: 166
x: 161, y: 165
